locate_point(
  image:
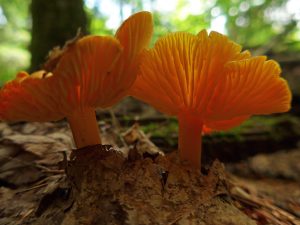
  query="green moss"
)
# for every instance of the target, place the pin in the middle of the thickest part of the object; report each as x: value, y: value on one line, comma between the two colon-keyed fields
x: 275, y: 126
x: 164, y: 129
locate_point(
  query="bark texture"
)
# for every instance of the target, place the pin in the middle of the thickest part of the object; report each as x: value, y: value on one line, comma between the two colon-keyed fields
x: 53, y: 23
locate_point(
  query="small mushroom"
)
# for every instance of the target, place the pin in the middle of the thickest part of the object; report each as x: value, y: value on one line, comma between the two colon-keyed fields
x: 95, y: 71
x: 208, y: 84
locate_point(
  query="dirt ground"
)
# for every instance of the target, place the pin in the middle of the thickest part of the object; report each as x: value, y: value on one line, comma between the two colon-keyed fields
x: 34, y: 158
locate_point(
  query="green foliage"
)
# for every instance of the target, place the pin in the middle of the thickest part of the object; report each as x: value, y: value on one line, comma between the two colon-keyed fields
x: 14, y: 38
x: 97, y: 26
x: 253, y: 23
x: 16, y: 12
x: 97, y: 22
x: 12, y: 55
x: 192, y: 23
x: 161, y: 26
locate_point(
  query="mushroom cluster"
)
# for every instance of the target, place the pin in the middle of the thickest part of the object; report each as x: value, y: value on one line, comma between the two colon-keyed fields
x: 208, y: 84
x: 204, y: 80
x: 95, y: 71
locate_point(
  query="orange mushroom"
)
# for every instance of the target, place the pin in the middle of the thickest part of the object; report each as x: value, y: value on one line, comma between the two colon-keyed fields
x: 95, y: 71
x: 208, y: 84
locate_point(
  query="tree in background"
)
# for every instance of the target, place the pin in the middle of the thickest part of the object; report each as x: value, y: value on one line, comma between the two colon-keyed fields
x: 53, y: 23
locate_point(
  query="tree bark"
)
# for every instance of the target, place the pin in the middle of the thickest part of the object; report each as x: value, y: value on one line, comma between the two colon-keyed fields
x: 53, y: 23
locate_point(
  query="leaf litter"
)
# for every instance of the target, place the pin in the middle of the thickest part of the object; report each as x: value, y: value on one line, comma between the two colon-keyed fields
x: 34, y: 157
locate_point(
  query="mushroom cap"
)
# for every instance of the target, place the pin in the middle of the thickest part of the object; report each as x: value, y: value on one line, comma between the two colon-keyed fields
x: 94, y: 71
x: 82, y: 64
x: 26, y: 98
x: 134, y: 35
x: 208, y: 76
x: 84, y: 71
x: 47, y: 97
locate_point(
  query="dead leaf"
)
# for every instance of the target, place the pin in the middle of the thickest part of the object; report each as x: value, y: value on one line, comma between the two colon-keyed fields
x: 134, y: 136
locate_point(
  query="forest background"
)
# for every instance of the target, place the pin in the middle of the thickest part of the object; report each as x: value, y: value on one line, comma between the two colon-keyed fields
x: 30, y: 28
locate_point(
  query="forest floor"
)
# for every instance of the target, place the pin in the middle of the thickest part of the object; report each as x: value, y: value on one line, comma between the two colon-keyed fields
x: 264, y: 183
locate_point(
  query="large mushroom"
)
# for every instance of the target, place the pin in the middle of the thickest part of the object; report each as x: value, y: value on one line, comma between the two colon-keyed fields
x: 208, y: 84
x: 95, y: 71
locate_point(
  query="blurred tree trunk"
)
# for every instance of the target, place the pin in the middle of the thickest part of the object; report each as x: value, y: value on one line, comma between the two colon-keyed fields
x: 53, y: 23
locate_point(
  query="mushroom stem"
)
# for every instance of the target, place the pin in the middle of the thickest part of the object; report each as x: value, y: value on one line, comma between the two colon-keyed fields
x: 84, y: 127
x: 190, y: 139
